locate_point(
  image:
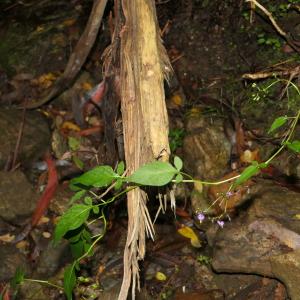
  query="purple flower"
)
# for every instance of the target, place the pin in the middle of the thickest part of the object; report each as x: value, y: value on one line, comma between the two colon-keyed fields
x: 229, y: 194
x: 200, y: 217
x: 220, y: 223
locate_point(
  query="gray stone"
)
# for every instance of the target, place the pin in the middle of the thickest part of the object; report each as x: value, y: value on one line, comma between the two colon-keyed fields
x: 11, y: 258
x: 265, y: 240
x: 17, y: 197
x: 206, y: 148
x: 35, y: 136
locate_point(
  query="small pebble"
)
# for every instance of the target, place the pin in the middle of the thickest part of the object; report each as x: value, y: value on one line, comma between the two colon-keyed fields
x: 46, y: 235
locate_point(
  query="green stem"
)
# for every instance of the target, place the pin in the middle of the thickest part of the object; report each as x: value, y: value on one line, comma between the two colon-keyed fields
x: 116, y: 196
x: 285, y: 141
x: 207, y: 182
x: 95, y: 242
x: 44, y: 282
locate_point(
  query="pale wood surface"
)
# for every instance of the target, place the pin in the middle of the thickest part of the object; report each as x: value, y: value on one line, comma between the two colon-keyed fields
x: 145, y: 122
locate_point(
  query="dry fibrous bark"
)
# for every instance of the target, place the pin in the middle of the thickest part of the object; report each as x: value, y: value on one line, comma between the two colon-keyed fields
x: 144, y: 63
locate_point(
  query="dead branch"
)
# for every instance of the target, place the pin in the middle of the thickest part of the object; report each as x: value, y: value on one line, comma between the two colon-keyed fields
x: 80, y: 54
x: 262, y: 75
x: 275, y: 24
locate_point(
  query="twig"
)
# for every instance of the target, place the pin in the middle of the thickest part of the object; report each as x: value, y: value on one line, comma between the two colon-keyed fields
x: 292, y: 75
x: 177, y: 58
x: 80, y: 54
x: 262, y: 75
x: 110, y: 187
x: 274, y: 23
x: 165, y: 28
x: 20, y: 134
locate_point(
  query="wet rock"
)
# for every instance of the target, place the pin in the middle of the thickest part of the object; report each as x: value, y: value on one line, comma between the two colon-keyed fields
x: 11, y: 259
x: 263, y: 288
x: 231, y: 284
x: 38, y: 291
x: 286, y: 267
x: 206, y: 148
x: 72, y: 95
x: 52, y: 258
x: 111, y: 294
x: 200, y: 202
x: 287, y: 163
x: 17, y: 197
x: 265, y: 239
x: 206, y: 156
x: 35, y: 137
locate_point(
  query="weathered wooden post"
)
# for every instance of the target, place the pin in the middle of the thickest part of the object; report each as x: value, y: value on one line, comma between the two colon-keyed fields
x: 144, y: 64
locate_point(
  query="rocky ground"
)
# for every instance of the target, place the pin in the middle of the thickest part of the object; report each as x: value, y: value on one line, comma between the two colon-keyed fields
x: 248, y: 243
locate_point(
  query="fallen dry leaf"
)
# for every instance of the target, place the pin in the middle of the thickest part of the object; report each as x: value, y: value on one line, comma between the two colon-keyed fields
x: 86, y: 86
x: 160, y: 276
x: 21, y: 245
x: 189, y: 233
x: 7, y: 238
x: 70, y: 126
x: 69, y: 22
x: 228, y: 200
x: 249, y: 156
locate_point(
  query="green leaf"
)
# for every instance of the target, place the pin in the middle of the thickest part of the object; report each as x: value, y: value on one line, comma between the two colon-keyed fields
x: 77, y: 248
x: 178, y: 163
x: 71, y: 220
x: 87, y: 247
x: 118, y: 184
x: 78, y: 162
x: 88, y: 200
x: 77, y: 196
x: 263, y: 165
x: 121, y: 168
x: 155, y: 174
x: 278, y: 122
x: 246, y: 174
x: 18, y: 278
x: 96, y: 210
x: 294, y: 145
x: 178, y: 178
x: 69, y: 280
x: 86, y: 235
x: 75, y: 237
x: 98, y: 177
x: 73, y: 143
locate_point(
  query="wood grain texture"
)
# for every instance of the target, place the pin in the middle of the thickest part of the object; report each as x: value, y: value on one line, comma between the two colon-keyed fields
x: 145, y: 122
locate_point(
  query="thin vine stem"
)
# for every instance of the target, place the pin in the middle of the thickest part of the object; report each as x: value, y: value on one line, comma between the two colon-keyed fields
x: 292, y: 129
x: 207, y: 182
x: 44, y: 282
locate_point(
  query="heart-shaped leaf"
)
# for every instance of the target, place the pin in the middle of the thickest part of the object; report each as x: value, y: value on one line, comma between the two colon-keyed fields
x: 77, y: 196
x: 294, y: 146
x: 101, y: 176
x: 121, y: 168
x: 278, y: 122
x: 154, y: 174
x: 69, y: 281
x: 71, y: 220
x: 247, y: 174
x: 178, y: 163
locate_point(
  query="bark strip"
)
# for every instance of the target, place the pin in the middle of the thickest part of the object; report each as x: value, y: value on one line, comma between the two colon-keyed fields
x: 145, y: 122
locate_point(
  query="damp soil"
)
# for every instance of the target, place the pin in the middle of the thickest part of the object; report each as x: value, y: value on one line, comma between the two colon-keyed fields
x: 211, y: 45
